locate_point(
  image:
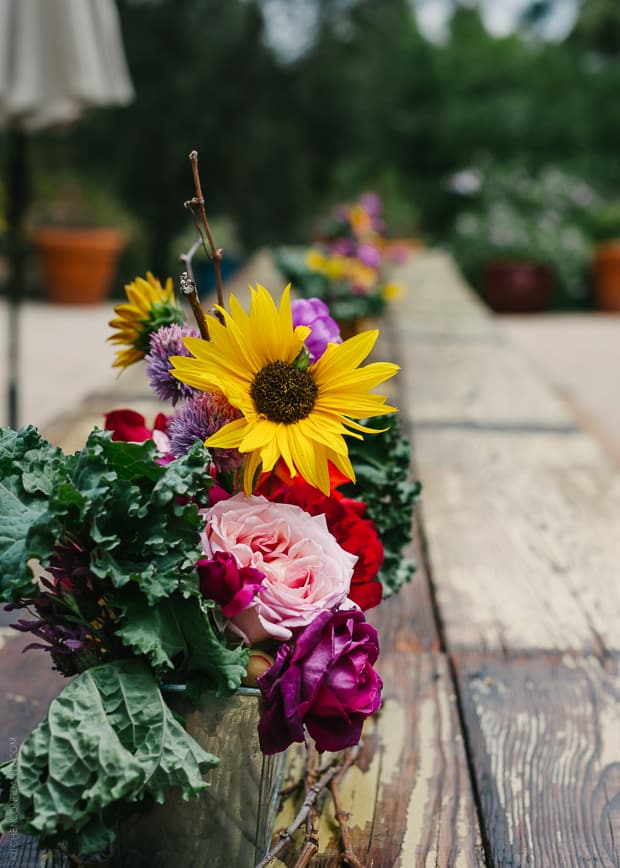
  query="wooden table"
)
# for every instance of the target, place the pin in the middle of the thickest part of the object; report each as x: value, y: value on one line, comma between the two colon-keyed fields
x: 499, y: 738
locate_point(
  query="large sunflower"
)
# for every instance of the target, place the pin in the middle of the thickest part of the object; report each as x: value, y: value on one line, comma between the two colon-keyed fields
x: 150, y: 306
x: 289, y: 410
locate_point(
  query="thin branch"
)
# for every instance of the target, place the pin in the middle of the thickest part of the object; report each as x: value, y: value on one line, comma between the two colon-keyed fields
x: 215, y: 253
x: 308, y: 802
x: 187, y: 258
x: 310, y: 844
x: 188, y: 288
x: 349, y: 857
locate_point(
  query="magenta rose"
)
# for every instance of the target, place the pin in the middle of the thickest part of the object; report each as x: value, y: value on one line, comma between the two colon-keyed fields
x: 325, y: 682
x: 305, y: 570
x: 222, y: 580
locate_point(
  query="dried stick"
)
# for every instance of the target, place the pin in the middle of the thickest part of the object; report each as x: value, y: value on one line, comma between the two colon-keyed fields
x: 187, y: 258
x: 214, y: 252
x: 308, y: 802
x: 188, y: 288
x: 310, y: 844
x: 349, y: 857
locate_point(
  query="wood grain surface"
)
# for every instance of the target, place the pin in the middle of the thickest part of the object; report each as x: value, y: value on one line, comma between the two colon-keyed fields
x: 523, y: 540
x: 409, y: 799
x: 545, y: 738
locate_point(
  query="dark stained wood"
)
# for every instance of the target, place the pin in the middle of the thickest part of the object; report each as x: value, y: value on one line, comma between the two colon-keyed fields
x: 545, y: 739
x: 27, y: 686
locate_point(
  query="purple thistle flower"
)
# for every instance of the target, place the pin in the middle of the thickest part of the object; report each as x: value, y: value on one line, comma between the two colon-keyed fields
x: 314, y: 312
x: 202, y: 416
x: 165, y: 342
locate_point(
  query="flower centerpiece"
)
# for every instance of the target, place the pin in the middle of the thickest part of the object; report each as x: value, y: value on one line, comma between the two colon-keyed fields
x: 225, y: 548
x: 346, y: 267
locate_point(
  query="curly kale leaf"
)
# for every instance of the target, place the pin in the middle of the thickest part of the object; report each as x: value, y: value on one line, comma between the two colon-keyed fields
x: 138, y: 519
x: 30, y: 471
x: 382, y: 466
x: 178, y: 635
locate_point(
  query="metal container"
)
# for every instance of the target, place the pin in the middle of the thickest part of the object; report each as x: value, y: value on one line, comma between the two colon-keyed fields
x: 231, y: 823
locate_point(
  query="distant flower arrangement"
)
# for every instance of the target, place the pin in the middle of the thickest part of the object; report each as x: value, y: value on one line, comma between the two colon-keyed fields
x: 346, y: 267
x: 229, y: 544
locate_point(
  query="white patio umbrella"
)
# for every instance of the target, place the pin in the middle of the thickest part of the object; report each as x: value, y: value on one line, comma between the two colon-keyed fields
x: 57, y: 58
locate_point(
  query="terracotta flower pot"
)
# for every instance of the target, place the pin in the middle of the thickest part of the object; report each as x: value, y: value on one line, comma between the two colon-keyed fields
x: 606, y: 267
x: 78, y: 265
x: 517, y: 285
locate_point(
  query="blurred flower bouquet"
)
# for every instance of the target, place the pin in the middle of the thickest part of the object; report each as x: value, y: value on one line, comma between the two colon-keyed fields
x: 346, y: 267
x: 228, y: 545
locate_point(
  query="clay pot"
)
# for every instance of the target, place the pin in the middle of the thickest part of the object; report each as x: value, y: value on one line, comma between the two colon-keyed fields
x: 78, y: 264
x: 517, y: 285
x: 606, y: 268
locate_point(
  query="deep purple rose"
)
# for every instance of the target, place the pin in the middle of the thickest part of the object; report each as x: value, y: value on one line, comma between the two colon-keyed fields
x: 222, y: 580
x: 325, y: 682
x: 314, y: 313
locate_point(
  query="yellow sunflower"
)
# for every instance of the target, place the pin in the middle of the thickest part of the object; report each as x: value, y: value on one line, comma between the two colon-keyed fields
x: 150, y: 306
x: 289, y: 410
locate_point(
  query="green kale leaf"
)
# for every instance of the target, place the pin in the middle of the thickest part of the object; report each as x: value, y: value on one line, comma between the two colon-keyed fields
x: 109, y: 737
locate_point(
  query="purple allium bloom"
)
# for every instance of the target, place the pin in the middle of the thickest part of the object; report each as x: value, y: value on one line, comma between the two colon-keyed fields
x: 202, y: 416
x: 324, y: 682
x: 165, y: 342
x: 369, y: 255
x: 314, y: 312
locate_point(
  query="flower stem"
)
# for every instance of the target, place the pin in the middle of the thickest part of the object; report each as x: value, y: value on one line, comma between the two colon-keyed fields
x: 214, y: 253
x: 188, y: 288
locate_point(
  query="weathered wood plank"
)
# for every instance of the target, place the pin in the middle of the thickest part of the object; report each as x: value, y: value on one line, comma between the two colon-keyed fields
x: 483, y: 383
x: 436, y: 300
x: 409, y: 801
x: 545, y: 739
x: 522, y: 538
x: 27, y: 686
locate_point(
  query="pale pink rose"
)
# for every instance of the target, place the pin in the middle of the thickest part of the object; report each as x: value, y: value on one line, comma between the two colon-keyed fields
x: 305, y: 569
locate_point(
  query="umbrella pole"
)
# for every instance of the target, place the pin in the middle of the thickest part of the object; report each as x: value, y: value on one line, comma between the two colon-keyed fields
x: 17, y: 190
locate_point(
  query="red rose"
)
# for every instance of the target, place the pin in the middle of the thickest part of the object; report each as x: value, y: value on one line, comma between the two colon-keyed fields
x: 345, y: 521
x: 130, y: 427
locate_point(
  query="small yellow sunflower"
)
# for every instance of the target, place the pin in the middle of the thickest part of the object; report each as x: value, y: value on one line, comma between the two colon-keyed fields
x: 289, y: 410
x: 150, y: 306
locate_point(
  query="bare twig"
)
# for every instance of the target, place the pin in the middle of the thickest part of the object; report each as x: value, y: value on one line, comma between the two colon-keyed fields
x: 311, y: 797
x: 188, y: 288
x: 214, y: 253
x: 186, y: 258
x: 349, y: 856
x: 310, y: 843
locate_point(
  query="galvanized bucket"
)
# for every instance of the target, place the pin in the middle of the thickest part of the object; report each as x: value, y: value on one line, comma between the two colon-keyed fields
x: 230, y: 824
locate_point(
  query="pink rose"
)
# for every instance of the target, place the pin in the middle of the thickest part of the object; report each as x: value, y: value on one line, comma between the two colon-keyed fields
x: 305, y: 570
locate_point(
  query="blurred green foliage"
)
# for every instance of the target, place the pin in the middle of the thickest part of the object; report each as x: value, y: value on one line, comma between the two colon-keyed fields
x: 370, y: 104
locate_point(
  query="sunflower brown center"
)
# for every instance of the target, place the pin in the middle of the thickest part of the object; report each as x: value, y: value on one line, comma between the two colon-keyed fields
x: 283, y: 393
